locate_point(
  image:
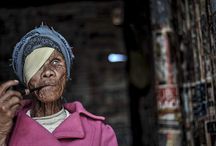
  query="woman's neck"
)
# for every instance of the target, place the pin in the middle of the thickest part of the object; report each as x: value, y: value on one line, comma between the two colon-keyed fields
x: 40, y: 109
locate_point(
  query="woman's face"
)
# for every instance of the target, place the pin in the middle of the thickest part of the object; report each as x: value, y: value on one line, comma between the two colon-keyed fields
x: 52, y: 75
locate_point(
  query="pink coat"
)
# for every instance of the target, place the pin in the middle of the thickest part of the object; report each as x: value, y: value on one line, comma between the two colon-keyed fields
x: 81, y: 128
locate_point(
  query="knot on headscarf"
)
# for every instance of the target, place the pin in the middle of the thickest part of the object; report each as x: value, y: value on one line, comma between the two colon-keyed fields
x: 40, y: 37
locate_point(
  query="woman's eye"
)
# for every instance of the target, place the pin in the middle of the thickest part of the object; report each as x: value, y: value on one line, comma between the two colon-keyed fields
x: 54, y: 62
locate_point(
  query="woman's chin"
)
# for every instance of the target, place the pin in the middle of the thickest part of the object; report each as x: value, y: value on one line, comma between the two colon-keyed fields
x: 48, y: 96
x: 48, y: 99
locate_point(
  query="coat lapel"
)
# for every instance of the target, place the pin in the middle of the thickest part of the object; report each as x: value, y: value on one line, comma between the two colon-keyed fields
x: 28, y: 132
x: 70, y: 128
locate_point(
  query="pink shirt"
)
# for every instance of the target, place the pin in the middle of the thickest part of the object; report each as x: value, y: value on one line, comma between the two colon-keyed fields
x: 81, y: 128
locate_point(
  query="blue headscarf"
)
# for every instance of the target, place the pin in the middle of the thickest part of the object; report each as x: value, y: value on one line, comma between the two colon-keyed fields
x: 42, y: 36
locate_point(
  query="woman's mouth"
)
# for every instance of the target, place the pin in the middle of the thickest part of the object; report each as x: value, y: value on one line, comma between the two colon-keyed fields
x: 39, y: 88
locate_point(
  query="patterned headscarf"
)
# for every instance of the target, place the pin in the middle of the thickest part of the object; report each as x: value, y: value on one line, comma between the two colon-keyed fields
x: 42, y: 36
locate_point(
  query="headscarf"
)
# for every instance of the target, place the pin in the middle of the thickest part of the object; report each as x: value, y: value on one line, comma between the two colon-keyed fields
x: 40, y: 37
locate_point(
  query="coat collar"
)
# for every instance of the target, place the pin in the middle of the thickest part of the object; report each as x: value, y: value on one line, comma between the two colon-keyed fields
x: 71, y: 127
x: 77, y: 107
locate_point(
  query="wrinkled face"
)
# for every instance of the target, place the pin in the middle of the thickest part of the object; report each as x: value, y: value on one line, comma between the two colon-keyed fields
x: 52, y: 75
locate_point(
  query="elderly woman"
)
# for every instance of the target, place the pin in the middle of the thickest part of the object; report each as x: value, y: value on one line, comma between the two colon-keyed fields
x: 42, y: 60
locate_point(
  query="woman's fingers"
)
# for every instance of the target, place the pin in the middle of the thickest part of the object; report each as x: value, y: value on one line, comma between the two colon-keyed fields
x: 8, y: 109
x: 8, y: 104
x: 14, y: 109
x: 10, y: 94
x: 6, y: 85
x: 10, y: 101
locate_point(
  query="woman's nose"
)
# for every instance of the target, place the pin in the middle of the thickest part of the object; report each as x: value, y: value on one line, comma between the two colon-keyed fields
x: 47, y: 72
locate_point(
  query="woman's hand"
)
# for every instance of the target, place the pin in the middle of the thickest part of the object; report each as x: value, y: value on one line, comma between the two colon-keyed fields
x: 10, y: 102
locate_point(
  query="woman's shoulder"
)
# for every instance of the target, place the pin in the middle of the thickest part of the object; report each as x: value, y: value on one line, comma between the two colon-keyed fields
x: 88, y: 119
x: 79, y: 108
